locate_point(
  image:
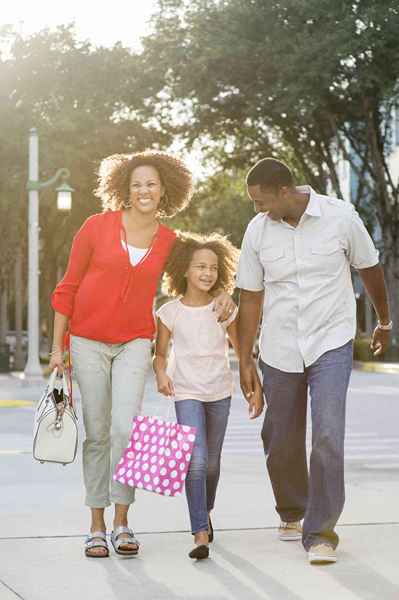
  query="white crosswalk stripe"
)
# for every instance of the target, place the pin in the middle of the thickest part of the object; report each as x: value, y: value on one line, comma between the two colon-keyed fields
x: 243, y: 437
x: 372, y: 450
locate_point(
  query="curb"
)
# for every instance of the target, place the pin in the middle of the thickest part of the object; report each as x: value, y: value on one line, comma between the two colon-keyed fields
x: 376, y: 367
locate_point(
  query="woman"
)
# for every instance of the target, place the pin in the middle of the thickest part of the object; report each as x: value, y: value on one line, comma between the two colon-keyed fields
x: 105, y: 300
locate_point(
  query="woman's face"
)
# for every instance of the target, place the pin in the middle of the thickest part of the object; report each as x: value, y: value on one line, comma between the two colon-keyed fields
x: 146, y: 189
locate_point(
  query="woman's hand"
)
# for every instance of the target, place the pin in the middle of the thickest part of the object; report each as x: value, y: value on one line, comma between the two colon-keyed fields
x: 224, y: 306
x: 57, y: 361
x: 165, y: 384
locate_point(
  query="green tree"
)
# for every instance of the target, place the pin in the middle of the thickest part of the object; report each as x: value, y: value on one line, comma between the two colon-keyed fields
x: 84, y: 102
x: 222, y: 207
x: 312, y: 79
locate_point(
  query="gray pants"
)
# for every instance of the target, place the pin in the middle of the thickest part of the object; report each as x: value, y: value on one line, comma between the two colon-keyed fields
x: 319, y: 496
x: 111, y: 380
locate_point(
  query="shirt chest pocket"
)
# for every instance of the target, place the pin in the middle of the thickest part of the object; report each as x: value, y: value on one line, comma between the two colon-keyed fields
x: 276, y: 262
x: 327, y: 258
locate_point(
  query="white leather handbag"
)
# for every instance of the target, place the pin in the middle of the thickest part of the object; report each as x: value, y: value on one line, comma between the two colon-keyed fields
x: 55, y: 437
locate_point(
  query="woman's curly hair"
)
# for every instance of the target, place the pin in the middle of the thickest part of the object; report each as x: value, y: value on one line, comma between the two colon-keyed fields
x: 175, y: 283
x: 114, y: 180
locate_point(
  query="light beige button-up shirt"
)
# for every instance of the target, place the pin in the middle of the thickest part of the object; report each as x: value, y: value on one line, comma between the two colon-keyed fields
x: 309, y: 305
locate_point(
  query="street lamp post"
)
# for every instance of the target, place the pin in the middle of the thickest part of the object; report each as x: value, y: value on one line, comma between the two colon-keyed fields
x: 64, y: 194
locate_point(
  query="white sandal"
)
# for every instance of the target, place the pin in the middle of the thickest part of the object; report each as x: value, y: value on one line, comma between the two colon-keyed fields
x: 117, y: 541
x: 97, y: 539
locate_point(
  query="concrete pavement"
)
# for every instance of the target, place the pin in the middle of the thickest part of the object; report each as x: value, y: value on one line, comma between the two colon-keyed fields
x: 43, y: 523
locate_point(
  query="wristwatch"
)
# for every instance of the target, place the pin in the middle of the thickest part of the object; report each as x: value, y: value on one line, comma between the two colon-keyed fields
x: 386, y: 327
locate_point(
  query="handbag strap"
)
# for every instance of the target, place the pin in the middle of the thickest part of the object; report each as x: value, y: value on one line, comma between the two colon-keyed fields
x: 51, y: 380
x: 66, y: 384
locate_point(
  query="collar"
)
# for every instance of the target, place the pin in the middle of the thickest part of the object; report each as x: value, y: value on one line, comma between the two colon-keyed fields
x: 313, y: 207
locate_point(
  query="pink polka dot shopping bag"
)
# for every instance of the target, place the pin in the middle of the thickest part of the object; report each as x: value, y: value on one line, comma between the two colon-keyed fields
x: 157, y: 457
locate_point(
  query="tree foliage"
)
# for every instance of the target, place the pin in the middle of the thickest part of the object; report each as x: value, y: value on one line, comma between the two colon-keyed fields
x: 83, y: 101
x: 313, y: 79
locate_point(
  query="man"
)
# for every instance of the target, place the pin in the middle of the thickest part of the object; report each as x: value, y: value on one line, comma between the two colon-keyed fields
x: 295, y: 260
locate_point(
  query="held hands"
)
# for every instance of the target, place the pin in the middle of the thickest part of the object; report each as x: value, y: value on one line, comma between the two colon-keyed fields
x: 256, y: 403
x: 165, y: 384
x: 251, y: 388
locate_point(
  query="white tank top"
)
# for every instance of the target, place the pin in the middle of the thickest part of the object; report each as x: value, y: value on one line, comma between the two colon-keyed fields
x: 135, y: 254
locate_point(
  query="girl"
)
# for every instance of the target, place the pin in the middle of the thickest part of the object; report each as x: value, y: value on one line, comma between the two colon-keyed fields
x: 197, y: 374
x: 106, y: 301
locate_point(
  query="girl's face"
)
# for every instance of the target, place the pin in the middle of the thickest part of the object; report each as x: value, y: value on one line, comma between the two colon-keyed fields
x: 146, y: 189
x: 202, y: 273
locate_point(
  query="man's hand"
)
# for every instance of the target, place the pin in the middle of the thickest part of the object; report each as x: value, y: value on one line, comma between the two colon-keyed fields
x: 249, y: 378
x: 224, y: 307
x: 256, y: 403
x: 380, y: 341
x: 374, y: 282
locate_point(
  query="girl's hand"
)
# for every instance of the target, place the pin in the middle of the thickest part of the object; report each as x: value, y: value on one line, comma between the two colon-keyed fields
x: 165, y: 385
x: 256, y: 403
x: 57, y: 361
x: 224, y: 307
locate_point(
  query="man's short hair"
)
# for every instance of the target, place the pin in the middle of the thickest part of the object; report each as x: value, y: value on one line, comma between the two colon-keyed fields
x: 270, y: 172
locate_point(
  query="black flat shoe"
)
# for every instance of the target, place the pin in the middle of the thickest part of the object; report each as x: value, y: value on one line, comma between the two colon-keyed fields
x: 199, y: 552
x: 210, y: 530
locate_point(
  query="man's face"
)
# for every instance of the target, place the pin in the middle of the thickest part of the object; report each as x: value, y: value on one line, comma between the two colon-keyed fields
x: 268, y: 200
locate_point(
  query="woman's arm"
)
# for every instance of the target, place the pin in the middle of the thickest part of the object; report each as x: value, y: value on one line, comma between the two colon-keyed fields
x: 160, y: 360
x: 60, y: 326
x: 63, y: 297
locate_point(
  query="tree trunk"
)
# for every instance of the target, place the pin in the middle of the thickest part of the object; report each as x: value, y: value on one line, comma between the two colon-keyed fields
x: 19, y: 358
x: 3, y: 314
x: 391, y: 269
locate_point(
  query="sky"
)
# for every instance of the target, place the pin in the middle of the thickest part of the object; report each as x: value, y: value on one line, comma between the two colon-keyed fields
x: 126, y: 22
x: 94, y: 20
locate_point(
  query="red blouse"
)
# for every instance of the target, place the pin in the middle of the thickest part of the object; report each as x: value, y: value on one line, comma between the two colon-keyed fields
x: 106, y: 298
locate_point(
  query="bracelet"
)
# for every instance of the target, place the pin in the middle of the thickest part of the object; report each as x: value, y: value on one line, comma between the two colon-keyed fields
x: 387, y: 327
x: 54, y: 351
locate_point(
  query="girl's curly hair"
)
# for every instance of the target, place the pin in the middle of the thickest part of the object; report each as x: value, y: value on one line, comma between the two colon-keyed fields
x: 114, y: 180
x: 175, y: 283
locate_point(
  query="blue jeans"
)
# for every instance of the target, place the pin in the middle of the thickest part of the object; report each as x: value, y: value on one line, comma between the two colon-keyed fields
x: 210, y: 419
x: 318, y: 496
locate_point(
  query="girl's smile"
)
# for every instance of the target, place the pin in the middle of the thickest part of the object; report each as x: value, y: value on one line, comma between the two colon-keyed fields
x: 202, y: 273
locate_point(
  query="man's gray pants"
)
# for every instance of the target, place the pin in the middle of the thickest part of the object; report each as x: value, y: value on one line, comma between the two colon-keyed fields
x: 316, y: 496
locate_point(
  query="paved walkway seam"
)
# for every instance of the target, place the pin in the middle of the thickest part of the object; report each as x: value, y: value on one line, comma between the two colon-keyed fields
x: 185, y: 531
x: 11, y: 590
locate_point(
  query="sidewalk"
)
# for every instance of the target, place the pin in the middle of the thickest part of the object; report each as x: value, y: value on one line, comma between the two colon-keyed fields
x: 43, y: 523
x: 244, y: 565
